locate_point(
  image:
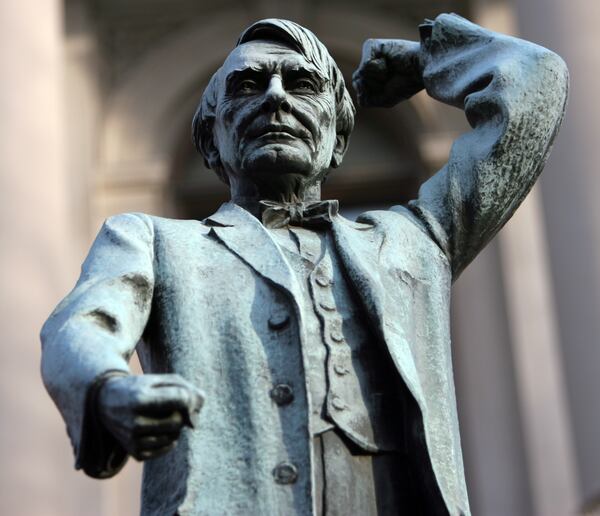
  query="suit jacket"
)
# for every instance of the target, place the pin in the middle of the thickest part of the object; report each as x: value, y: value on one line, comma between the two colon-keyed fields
x: 202, y: 295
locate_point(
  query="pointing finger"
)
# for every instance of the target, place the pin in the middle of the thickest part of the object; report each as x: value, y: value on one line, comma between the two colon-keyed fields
x: 154, y: 442
x: 151, y: 454
x: 160, y: 402
x: 144, y: 425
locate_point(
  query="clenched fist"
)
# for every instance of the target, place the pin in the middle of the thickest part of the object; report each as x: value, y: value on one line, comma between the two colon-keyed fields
x: 390, y: 71
x: 146, y: 413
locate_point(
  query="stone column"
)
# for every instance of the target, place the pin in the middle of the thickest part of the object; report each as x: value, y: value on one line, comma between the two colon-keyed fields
x: 509, y: 362
x: 570, y: 189
x: 490, y: 422
x: 36, y: 267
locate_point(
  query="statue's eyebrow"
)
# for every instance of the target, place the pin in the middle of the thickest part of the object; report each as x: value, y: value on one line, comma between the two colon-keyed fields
x: 303, y: 71
x: 261, y: 72
x: 243, y: 73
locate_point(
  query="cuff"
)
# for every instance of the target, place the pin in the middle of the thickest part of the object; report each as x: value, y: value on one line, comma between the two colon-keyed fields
x: 99, y: 454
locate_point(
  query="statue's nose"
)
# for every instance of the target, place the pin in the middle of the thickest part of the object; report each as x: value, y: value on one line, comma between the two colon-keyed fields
x: 276, y: 97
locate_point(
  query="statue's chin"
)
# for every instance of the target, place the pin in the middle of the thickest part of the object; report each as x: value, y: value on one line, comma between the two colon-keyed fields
x: 277, y: 160
x: 280, y: 173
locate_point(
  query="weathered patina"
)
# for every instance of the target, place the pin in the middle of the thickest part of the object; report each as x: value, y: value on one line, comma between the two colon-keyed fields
x: 313, y: 339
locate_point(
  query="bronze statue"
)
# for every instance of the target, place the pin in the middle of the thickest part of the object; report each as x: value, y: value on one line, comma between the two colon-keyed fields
x: 321, y: 346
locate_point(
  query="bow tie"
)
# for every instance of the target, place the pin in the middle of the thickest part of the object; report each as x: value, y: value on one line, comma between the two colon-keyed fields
x: 308, y: 214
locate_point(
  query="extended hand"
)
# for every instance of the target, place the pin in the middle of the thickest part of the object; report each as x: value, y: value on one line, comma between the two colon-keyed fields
x: 146, y: 413
x: 389, y: 72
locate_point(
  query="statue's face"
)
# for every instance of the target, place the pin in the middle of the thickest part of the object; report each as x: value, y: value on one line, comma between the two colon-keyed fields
x: 275, y: 116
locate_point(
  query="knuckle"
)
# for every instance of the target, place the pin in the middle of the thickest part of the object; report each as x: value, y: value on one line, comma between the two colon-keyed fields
x: 168, y: 378
x: 183, y: 391
x: 137, y: 397
x: 145, y: 455
x: 177, y: 418
x: 148, y: 440
x: 140, y: 424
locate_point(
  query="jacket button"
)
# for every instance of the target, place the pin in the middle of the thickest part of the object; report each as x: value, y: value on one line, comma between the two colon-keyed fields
x: 340, y: 369
x: 336, y: 336
x: 279, y: 320
x: 325, y: 305
x: 338, y: 403
x: 282, y: 394
x: 285, y: 473
x: 323, y: 281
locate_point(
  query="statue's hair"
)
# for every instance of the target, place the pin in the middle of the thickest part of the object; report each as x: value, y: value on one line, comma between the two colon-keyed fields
x: 305, y: 43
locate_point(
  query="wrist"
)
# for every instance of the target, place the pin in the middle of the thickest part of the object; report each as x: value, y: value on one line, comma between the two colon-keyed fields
x: 100, y: 389
x: 99, y: 454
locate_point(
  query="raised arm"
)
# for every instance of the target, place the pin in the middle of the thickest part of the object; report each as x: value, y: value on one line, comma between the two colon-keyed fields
x: 514, y: 95
x: 86, y: 346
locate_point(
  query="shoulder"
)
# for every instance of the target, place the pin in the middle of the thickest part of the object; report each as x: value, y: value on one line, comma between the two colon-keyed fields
x: 141, y: 223
x: 133, y: 222
x: 403, y: 228
x: 397, y: 218
x: 165, y: 224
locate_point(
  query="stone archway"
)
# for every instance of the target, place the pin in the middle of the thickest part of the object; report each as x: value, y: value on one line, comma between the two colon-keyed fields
x: 146, y: 125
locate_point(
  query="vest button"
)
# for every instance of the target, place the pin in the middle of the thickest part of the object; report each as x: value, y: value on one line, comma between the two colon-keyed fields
x: 323, y: 281
x: 325, y: 305
x: 336, y: 336
x: 279, y: 320
x: 282, y: 394
x: 338, y: 403
x: 340, y: 369
x: 285, y: 473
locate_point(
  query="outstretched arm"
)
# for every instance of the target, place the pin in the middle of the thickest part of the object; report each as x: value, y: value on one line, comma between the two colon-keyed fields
x: 87, y: 343
x: 514, y: 95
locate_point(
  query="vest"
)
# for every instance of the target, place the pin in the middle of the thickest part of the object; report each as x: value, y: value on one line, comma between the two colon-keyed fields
x: 352, y: 382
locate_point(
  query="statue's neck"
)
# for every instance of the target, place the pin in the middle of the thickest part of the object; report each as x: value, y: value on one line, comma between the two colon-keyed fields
x: 248, y: 194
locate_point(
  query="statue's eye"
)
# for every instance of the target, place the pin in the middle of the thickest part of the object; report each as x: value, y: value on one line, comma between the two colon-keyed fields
x: 305, y: 86
x: 247, y: 86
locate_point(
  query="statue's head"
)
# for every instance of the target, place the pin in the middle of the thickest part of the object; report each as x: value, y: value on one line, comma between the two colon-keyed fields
x: 276, y: 116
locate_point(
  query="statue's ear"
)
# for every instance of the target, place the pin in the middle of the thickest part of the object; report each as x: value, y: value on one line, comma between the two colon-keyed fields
x: 341, y: 145
x: 208, y: 148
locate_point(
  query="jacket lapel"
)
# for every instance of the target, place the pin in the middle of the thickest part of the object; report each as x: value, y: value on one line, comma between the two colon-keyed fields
x: 245, y: 236
x: 359, y: 247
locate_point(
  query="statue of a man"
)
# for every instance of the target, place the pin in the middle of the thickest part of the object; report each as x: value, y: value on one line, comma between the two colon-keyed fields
x: 321, y: 345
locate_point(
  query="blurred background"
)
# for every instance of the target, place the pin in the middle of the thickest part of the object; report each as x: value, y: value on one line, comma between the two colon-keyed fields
x: 96, y: 100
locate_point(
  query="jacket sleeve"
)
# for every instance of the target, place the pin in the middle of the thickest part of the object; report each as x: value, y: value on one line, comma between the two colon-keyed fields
x: 93, y: 332
x: 514, y: 95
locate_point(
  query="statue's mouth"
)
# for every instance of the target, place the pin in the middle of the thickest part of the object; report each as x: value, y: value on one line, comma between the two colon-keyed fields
x: 277, y: 132
x: 276, y: 136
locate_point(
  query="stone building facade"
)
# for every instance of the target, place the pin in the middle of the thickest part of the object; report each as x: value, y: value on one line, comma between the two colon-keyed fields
x: 97, y: 98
